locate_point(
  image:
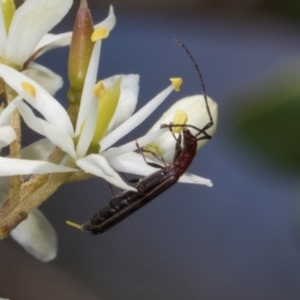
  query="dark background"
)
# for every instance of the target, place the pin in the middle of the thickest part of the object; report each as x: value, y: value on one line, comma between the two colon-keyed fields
x: 237, y: 240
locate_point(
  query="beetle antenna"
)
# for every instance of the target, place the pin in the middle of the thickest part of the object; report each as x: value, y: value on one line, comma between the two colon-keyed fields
x: 182, y: 45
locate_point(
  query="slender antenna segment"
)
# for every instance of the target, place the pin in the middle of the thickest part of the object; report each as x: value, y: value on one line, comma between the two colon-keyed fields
x: 201, y: 80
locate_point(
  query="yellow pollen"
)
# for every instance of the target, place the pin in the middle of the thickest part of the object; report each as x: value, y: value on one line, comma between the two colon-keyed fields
x: 75, y: 225
x: 29, y: 88
x: 99, y: 88
x: 180, y: 118
x: 99, y: 34
x: 177, y: 82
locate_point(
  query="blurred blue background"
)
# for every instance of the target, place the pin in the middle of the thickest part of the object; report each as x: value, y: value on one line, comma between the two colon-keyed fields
x: 237, y: 240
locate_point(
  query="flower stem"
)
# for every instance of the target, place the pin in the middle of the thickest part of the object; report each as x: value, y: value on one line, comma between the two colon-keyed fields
x: 32, y: 201
x: 15, y: 147
x: 31, y: 194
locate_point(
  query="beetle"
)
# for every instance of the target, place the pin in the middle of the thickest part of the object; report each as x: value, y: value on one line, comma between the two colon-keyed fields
x: 148, y: 188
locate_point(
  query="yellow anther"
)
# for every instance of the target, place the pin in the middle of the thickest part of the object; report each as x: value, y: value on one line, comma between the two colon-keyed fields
x: 99, y: 34
x: 99, y: 88
x: 177, y: 82
x: 29, y: 88
x: 70, y: 223
x: 180, y: 118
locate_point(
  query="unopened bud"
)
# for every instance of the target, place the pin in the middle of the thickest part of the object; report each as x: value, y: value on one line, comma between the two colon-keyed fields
x: 80, y: 52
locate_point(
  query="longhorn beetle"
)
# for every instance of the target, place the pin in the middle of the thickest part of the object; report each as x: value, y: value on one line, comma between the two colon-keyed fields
x: 125, y: 203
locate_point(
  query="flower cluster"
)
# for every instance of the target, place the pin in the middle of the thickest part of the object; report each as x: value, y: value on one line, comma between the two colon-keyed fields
x: 77, y: 141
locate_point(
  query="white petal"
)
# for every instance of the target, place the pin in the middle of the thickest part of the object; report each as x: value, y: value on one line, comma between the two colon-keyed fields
x: 87, y: 94
x: 39, y: 150
x: 52, y: 41
x: 7, y: 135
x: 131, y: 146
x: 58, y: 137
x: 191, y: 178
x: 88, y: 130
x: 37, y: 236
x: 132, y: 163
x: 49, y: 80
x: 54, y: 133
x: 135, y: 119
x: 31, y: 21
x: 48, y: 106
x: 97, y: 165
x: 5, y: 114
x: 110, y: 22
x: 195, y: 108
x: 30, y: 119
x: 14, y: 166
x: 127, y: 100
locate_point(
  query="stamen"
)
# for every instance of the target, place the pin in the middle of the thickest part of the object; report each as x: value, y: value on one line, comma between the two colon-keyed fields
x: 100, y: 34
x: 75, y: 225
x: 180, y: 118
x: 29, y: 88
x: 177, y: 82
x: 108, y: 102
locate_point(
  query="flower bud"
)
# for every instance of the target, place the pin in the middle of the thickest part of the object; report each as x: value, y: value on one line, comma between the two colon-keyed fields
x: 195, y: 108
x: 80, y: 52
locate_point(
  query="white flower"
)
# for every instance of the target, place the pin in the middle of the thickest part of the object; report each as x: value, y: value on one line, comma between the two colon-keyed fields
x: 27, y: 37
x: 30, y: 22
x: 35, y: 234
x: 195, y: 108
x: 20, y: 39
x: 165, y: 144
x: 46, y: 77
x: 98, y: 124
